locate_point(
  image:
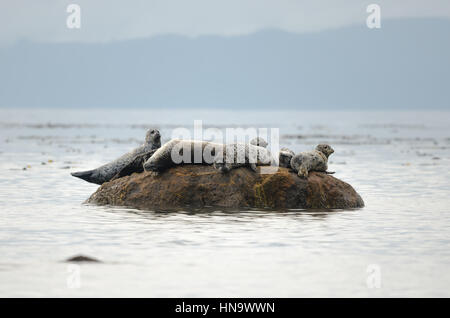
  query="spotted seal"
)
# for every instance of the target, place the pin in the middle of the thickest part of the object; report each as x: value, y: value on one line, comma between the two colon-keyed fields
x: 242, y: 155
x: 285, y: 157
x: 126, y: 164
x: 316, y: 160
x: 180, y: 151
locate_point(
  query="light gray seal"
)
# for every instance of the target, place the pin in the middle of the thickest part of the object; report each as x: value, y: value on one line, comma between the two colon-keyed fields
x: 126, y: 164
x: 179, y: 151
x: 316, y: 160
x: 242, y: 155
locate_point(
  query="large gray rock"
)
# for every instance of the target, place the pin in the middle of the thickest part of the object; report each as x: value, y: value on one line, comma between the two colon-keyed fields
x: 200, y: 186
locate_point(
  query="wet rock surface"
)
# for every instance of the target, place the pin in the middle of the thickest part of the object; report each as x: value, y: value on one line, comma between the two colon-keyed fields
x: 203, y: 186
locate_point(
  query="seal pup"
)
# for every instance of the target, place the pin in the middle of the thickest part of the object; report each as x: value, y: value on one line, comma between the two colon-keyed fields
x: 179, y: 151
x: 242, y: 155
x: 316, y: 160
x: 128, y: 161
x: 285, y: 157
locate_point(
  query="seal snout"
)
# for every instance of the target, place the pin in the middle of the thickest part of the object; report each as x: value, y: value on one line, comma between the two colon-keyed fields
x: 325, y: 149
x: 157, y: 137
x: 153, y: 137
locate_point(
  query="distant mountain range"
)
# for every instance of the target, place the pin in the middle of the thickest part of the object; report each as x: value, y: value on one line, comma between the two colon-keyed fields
x: 403, y: 65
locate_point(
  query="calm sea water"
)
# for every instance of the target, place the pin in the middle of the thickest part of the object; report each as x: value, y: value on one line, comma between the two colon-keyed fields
x: 400, y: 242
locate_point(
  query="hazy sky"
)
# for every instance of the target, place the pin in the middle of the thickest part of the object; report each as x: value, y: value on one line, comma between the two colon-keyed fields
x: 109, y: 20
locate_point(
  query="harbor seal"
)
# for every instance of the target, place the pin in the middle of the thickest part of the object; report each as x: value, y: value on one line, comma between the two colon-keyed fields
x: 136, y: 165
x: 126, y: 164
x: 316, y: 160
x: 242, y: 155
x: 179, y: 151
x: 285, y: 157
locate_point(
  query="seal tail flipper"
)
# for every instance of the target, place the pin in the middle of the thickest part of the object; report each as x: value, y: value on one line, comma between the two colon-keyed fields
x: 85, y: 175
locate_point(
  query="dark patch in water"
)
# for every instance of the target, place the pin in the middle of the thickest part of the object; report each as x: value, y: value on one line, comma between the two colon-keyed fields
x: 82, y: 258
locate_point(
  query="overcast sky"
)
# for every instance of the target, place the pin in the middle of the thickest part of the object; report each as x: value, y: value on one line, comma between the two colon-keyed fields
x: 109, y: 20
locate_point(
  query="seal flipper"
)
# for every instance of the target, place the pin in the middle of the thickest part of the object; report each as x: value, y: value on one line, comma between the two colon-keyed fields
x: 86, y: 175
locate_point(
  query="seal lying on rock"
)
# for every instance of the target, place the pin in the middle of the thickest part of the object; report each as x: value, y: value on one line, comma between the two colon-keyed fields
x: 286, y: 155
x: 316, y: 160
x: 242, y: 155
x: 126, y: 164
x: 178, y: 151
x: 137, y: 165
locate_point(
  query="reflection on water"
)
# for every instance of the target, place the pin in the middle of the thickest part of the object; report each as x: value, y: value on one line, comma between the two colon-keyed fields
x: 398, y: 162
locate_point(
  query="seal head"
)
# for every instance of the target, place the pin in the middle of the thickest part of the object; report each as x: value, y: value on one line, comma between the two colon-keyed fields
x: 153, y: 138
x: 325, y: 149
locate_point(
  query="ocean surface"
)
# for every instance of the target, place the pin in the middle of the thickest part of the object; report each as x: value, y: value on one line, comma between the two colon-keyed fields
x: 397, y: 245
